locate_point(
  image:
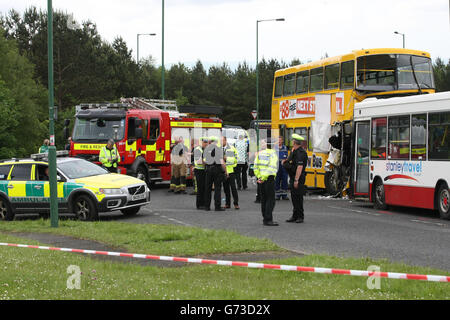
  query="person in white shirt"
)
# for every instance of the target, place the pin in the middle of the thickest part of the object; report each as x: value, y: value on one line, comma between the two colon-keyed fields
x: 242, y: 147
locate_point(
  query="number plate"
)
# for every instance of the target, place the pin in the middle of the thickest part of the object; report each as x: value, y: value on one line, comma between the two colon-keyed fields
x: 138, y: 197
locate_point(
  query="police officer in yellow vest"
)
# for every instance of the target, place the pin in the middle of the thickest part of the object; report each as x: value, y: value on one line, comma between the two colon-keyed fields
x: 265, y: 168
x: 109, y: 156
x: 200, y: 173
x: 229, y: 182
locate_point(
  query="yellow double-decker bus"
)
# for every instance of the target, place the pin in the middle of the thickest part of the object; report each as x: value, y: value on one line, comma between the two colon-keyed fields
x: 316, y: 100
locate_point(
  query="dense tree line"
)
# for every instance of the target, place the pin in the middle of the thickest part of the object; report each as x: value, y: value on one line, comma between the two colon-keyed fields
x: 89, y: 69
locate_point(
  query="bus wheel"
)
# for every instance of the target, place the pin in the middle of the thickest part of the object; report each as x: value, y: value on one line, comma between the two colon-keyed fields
x: 6, y: 212
x: 332, y: 183
x: 443, y: 202
x: 379, y: 196
x: 85, y: 209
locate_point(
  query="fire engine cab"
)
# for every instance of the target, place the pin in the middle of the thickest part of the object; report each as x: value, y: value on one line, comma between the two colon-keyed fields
x: 143, y: 130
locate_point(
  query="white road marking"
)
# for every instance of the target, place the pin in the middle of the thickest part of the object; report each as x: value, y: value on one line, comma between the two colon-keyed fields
x: 358, y: 211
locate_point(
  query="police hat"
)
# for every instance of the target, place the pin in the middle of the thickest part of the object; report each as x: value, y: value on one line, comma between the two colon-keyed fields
x: 213, y: 138
x: 297, y: 137
x: 204, y: 139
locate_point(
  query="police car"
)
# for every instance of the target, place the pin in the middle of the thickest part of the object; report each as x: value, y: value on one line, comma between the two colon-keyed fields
x: 84, y: 188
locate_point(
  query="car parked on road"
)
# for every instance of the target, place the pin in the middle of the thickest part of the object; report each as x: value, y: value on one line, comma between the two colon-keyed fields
x: 84, y: 188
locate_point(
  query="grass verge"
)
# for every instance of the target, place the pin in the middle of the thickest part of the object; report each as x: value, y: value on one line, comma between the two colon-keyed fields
x: 38, y: 274
x: 148, y: 238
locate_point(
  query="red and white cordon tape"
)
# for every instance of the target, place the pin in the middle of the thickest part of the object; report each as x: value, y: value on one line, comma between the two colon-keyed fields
x: 360, y: 273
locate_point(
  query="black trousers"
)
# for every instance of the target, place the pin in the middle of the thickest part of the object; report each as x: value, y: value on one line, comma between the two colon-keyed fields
x: 241, y: 175
x: 297, y: 200
x: 200, y: 178
x: 214, y: 175
x: 111, y: 169
x: 267, y: 198
x: 230, y: 183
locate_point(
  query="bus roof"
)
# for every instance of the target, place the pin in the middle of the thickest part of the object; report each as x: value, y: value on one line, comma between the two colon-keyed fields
x: 349, y: 56
x: 422, y: 103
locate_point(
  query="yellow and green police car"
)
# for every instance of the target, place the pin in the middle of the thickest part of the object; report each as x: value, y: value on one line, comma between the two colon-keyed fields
x: 84, y: 189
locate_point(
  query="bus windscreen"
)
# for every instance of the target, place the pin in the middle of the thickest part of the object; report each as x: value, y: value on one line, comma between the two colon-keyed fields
x: 389, y: 72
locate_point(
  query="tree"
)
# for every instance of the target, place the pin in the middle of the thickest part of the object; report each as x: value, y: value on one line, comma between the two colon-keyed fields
x: 24, y: 99
x: 441, y: 75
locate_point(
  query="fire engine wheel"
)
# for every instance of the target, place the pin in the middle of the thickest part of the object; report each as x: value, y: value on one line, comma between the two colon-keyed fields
x: 379, y: 195
x: 85, y: 209
x: 141, y: 173
x: 443, y: 202
x: 6, y: 212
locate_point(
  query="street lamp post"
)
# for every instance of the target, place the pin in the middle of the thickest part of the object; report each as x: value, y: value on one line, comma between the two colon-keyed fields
x: 257, y: 78
x: 162, y: 55
x: 138, y: 35
x: 403, y: 35
x: 52, y: 148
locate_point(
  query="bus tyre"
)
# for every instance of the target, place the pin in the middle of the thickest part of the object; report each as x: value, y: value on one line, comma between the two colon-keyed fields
x: 6, y: 213
x: 85, y: 209
x: 379, y: 196
x: 130, y: 211
x: 443, y: 201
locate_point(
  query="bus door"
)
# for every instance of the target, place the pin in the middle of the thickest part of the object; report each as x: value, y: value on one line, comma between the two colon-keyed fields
x: 362, y: 139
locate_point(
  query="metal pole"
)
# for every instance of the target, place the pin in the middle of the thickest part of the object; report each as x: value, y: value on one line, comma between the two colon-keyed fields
x: 257, y: 79
x: 52, y: 148
x: 162, y: 70
x: 257, y: 89
x: 403, y: 35
x: 137, y: 50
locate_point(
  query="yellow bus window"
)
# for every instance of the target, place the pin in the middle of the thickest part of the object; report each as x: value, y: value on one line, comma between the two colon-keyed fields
x: 278, y: 87
x: 348, y: 74
x: 332, y: 76
x: 302, y: 82
x: 317, y: 79
x: 289, y: 85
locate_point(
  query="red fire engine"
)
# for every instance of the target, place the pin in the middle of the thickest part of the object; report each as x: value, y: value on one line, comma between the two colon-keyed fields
x: 143, y: 130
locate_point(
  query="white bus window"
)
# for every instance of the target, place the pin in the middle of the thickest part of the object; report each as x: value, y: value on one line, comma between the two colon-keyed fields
x: 398, y: 137
x: 378, y: 138
x: 418, y: 136
x: 439, y: 136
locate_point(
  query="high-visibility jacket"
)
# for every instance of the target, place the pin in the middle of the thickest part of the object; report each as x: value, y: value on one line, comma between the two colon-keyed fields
x: 107, y: 157
x: 198, y: 158
x: 266, y: 164
x: 231, y: 155
x: 43, y: 149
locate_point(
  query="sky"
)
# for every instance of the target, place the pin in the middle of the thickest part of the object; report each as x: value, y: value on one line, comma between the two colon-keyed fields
x: 218, y: 31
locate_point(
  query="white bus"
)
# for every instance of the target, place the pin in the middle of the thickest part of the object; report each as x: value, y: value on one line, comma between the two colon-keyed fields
x: 402, y: 152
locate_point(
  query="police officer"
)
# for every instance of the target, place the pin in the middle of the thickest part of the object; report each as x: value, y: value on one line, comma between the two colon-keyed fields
x: 265, y: 168
x: 200, y: 173
x: 229, y: 182
x: 281, y: 181
x: 296, y: 164
x: 109, y: 156
x: 215, y: 169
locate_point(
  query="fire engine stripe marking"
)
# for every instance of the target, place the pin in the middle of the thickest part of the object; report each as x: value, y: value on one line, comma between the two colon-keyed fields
x: 360, y: 273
